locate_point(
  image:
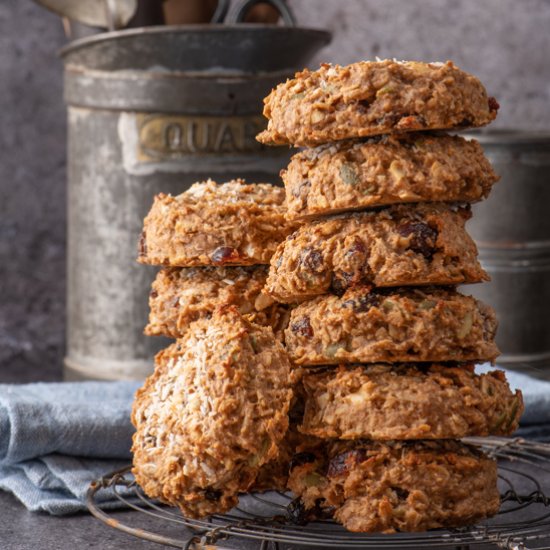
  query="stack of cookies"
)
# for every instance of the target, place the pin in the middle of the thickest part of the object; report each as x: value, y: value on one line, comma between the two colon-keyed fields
x: 386, y: 342
x: 215, y: 241
x: 213, y: 417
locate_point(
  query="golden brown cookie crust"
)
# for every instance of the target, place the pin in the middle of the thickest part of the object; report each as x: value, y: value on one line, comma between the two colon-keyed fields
x: 181, y: 295
x: 404, y: 325
x: 371, y: 98
x: 399, y: 486
x: 406, y: 168
x: 401, y: 245
x: 215, y: 224
x: 214, y: 411
x: 408, y: 401
x: 273, y: 476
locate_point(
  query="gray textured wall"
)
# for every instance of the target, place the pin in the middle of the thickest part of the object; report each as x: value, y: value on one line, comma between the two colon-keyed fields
x: 32, y: 192
x: 505, y: 42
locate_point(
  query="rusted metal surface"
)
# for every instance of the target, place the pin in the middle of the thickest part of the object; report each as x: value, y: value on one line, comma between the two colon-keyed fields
x: 154, y: 110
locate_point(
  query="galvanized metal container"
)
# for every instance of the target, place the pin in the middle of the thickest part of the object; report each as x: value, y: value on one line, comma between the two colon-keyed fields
x: 154, y: 110
x: 512, y: 231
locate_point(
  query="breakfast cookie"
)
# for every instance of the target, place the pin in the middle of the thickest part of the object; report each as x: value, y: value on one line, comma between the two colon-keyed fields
x: 398, y: 486
x: 273, y: 476
x: 368, y: 325
x: 214, y: 411
x: 181, y: 295
x: 215, y: 224
x: 407, y: 401
x: 398, y: 246
x: 354, y: 175
x: 371, y: 98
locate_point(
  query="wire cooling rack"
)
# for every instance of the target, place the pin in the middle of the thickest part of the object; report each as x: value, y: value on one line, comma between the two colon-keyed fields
x: 265, y: 521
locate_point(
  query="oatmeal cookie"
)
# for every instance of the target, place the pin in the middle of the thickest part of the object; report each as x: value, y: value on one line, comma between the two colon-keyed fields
x: 273, y: 476
x: 368, y: 325
x: 214, y: 411
x: 181, y: 295
x: 215, y: 224
x: 397, y: 246
x: 398, y: 486
x: 372, y: 98
x: 407, y: 401
x: 393, y: 169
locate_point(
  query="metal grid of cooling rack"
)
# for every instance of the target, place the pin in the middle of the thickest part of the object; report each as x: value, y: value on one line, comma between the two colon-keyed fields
x: 522, y: 523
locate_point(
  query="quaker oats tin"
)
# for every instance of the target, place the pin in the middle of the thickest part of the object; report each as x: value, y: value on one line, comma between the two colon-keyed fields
x: 153, y: 110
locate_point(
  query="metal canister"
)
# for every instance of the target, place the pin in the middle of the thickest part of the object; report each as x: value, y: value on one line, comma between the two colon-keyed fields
x: 512, y: 231
x: 154, y: 110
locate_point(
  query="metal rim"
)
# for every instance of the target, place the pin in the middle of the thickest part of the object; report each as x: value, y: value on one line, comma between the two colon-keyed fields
x: 321, y: 34
x: 505, y: 530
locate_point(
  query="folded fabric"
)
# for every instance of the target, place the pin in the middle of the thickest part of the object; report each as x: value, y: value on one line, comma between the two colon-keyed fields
x: 56, y: 438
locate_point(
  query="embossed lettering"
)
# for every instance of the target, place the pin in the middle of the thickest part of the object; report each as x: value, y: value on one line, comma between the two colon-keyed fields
x: 172, y: 135
x: 163, y: 137
x: 198, y: 137
x: 225, y: 141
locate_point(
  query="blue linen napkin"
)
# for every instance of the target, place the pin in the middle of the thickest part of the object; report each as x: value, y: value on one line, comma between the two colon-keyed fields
x: 56, y: 438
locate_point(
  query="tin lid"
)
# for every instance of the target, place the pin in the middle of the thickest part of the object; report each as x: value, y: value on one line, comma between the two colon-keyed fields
x: 206, y: 49
x: 195, y: 69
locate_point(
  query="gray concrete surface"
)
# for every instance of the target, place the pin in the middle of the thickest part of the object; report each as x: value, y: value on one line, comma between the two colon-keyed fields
x: 505, y: 42
x: 32, y: 193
